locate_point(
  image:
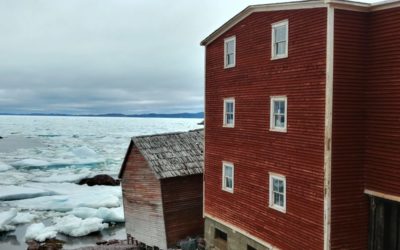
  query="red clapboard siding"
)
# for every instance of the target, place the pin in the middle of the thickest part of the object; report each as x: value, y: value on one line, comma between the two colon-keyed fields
x: 349, y: 218
x: 183, y: 201
x: 382, y: 152
x: 254, y: 150
x: 142, y: 201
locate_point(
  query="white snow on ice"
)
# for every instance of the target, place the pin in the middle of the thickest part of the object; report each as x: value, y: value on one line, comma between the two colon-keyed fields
x: 40, y: 232
x: 74, y: 226
x: 106, y: 214
x: 6, y: 218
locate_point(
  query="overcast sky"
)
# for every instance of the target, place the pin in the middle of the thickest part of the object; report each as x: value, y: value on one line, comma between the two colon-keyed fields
x: 120, y: 56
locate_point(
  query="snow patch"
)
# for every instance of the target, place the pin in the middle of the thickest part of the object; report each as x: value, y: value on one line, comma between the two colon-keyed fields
x: 23, y: 218
x: 40, y: 232
x: 106, y: 214
x: 76, y: 227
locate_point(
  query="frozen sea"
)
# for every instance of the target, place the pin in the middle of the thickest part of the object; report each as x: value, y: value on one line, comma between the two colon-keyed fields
x: 41, y: 160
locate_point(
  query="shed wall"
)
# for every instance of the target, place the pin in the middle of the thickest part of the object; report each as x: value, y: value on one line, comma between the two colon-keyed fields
x: 143, y: 202
x: 183, y: 207
x: 382, y: 152
x: 256, y: 151
x: 349, y: 215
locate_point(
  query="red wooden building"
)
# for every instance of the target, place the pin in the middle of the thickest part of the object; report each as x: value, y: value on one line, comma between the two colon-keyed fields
x: 302, y: 136
x: 162, y: 186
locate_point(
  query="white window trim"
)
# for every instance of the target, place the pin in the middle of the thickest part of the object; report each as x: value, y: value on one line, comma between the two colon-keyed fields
x: 226, y: 100
x: 271, y: 195
x: 275, y: 25
x: 226, y: 40
x: 229, y: 164
x: 271, y: 116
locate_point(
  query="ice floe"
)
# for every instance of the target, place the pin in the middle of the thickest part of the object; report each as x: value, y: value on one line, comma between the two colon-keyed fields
x: 28, y: 163
x: 5, y: 219
x: 13, y: 192
x: 74, y: 226
x: 4, y: 167
x: 23, y: 218
x: 39, y: 232
x: 106, y: 214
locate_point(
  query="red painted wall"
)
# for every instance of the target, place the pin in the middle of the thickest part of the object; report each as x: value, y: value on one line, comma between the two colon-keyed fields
x: 382, y: 151
x: 256, y: 151
x: 349, y: 216
x: 183, y: 207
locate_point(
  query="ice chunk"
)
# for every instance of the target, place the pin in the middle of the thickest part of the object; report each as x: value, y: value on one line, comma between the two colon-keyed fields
x: 106, y: 214
x: 23, y: 218
x: 6, y: 218
x: 64, y: 203
x: 4, y: 167
x: 84, y: 212
x: 12, y: 192
x: 40, y: 232
x: 84, y: 152
x: 74, y: 226
x: 28, y: 163
x: 111, y: 214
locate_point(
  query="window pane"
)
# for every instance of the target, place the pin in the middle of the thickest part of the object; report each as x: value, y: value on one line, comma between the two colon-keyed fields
x: 279, y: 121
x: 275, y: 185
x: 281, y: 186
x: 229, y: 107
x: 228, y: 182
x: 228, y: 171
x: 230, y: 59
x: 280, y: 33
x: 280, y: 200
x: 276, y: 198
x: 282, y: 107
x: 280, y: 48
x: 230, y: 47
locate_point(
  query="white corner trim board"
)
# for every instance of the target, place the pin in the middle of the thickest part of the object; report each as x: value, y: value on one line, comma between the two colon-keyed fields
x: 328, y: 127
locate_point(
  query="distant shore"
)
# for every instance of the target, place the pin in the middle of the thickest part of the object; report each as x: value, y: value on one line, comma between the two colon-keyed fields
x: 198, y: 115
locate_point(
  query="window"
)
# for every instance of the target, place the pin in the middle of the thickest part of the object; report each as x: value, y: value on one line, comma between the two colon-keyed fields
x: 277, y: 192
x: 230, y: 52
x: 227, y: 176
x: 280, y: 39
x: 250, y: 248
x: 278, y: 114
x: 220, y: 239
x: 229, y: 112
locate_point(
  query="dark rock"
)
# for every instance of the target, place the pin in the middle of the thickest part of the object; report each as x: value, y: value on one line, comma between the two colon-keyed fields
x: 101, y: 179
x: 51, y: 244
x: 1, y: 137
x: 101, y: 242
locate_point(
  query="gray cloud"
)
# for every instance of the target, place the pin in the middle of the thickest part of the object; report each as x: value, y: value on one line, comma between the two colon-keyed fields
x: 91, y: 56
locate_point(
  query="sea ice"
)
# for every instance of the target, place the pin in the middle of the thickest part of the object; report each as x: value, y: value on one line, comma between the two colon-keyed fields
x: 4, y: 167
x: 76, y: 227
x: 23, y: 218
x: 65, y: 177
x: 106, y: 214
x: 27, y: 163
x: 6, y: 218
x: 12, y: 192
x: 40, y: 232
x: 65, y: 203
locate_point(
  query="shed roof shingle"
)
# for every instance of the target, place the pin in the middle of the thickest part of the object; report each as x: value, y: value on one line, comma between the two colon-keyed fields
x: 173, y: 154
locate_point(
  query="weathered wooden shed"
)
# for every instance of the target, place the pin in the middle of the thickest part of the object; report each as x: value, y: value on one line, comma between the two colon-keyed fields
x: 162, y: 185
